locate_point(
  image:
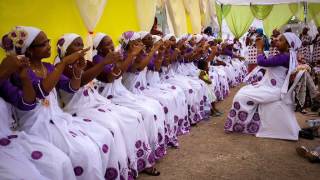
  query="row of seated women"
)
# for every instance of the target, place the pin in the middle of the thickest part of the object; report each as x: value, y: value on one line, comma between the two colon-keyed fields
x: 109, y: 118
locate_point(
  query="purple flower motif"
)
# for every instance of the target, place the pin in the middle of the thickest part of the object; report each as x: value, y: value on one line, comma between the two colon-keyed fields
x: 201, y: 102
x: 256, y: 117
x: 167, y: 77
x: 228, y: 124
x: 190, y: 91
x: 165, y: 109
x: 273, y: 82
x: 36, y: 155
x: 252, y: 127
x: 105, y: 148
x: 236, y: 105
x: 78, y: 171
x: 87, y: 120
x: 138, y: 144
x: 111, y: 173
x: 142, y: 88
x: 141, y: 165
x: 238, y: 127
x: 101, y: 89
x: 128, y: 35
x: 109, y: 97
x: 155, y: 117
x: 145, y: 146
x: 12, y: 136
x: 122, y: 178
x: 101, y: 110
x: 180, y: 122
x: 176, y: 118
x: 160, y: 138
x: 193, y: 109
x: 151, y: 158
x: 201, y: 108
x: 159, y: 152
x: 137, y: 84
x: 232, y: 113
x: 61, y: 42
x: 242, y: 115
x: 173, y: 87
x: 140, y: 153
x: 205, y: 98
x: 292, y: 44
x: 13, y: 34
x: 250, y: 103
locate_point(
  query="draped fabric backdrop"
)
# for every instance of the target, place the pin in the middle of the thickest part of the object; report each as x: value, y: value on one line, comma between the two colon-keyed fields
x: 192, y: 8
x: 146, y: 10
x: 239, y: 20
x: 177, y: 15
x: 261, y: 11
x: 90, y: 12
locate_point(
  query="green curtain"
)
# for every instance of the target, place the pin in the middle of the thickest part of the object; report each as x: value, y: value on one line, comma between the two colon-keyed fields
x: 222, y: 12
x: 261, y: 11
x: 278, y: 17
x: 314, y: 12
x: 239, y: 20
x: 297, y: 10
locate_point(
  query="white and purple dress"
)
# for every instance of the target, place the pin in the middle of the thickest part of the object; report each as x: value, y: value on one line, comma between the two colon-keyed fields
x: 38, y: 158
x: 153, y: 117
x: 131, y: 145
x: 86, y: 143
x: 253, y: 103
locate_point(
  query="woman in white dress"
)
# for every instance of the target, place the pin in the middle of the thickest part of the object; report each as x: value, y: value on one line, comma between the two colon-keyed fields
x: 47, y: 120
x: 18, y: 149
x: 126, y: 125
x: 248, y: 103
x: 110, y: 86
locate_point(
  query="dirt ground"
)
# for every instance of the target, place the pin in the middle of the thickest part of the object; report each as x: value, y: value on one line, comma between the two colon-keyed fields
x: 207, y: 153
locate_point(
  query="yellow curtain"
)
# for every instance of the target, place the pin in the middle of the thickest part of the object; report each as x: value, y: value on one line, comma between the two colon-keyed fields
x: 193, y: 9
x: 177, y: 15
x: 118, y: 17
x: 54, y: 17
x: 146, y: 10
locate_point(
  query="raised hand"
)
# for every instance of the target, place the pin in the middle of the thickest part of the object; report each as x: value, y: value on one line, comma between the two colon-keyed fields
x: 76, y: 56
x: 135, y: 49
x: 111, y: 58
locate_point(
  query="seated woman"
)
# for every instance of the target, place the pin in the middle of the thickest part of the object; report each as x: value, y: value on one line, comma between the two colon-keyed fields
x: 204, y: 76
x: 18, y: 149
x: 110, y: 86
x: 137, y: 83
x: 126, y: 125
x: 179, y: 107
x: 47, y: 120
x: 249, y: 102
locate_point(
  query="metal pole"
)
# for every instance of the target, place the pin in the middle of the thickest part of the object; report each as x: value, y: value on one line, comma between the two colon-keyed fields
x: 305, y: 12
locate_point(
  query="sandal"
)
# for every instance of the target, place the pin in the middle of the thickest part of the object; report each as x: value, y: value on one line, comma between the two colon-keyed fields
x: 312, y: 156
x: 151, y: 171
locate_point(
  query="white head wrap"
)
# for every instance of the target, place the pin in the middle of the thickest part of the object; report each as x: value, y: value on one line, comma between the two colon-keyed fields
x: 156, y: 38
x: 63, y: 44
x: 167, y: 37
x: 19, y: 39
x: 143, y: 34
x: 294, y: 43
x: 183, y: 37
x: 128, y: 36
x: 198, y: 38
x: 210, y: 38
x: 97, y: 39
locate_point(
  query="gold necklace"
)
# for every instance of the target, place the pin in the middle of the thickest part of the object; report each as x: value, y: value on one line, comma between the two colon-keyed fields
x: 41, y: 72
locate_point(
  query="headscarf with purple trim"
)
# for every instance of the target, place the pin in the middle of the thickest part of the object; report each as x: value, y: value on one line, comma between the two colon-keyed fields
x: 128, y: 36
x: 63, y: 44
x: 19, y: 39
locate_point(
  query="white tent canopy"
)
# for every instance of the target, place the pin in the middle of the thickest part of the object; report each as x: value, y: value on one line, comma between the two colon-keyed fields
x: 248, y: 2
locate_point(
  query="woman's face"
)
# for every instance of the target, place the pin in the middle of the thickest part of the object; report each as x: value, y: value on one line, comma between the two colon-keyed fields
x: 40, y: 47
x: 106, y: 45
x: 147, y: 40
x: 282, y: 44
x: 76, y: 45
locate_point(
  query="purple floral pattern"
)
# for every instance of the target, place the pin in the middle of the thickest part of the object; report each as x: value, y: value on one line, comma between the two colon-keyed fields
x: 111, y: 173
x: 273, y: 82
x: 242, y: 115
